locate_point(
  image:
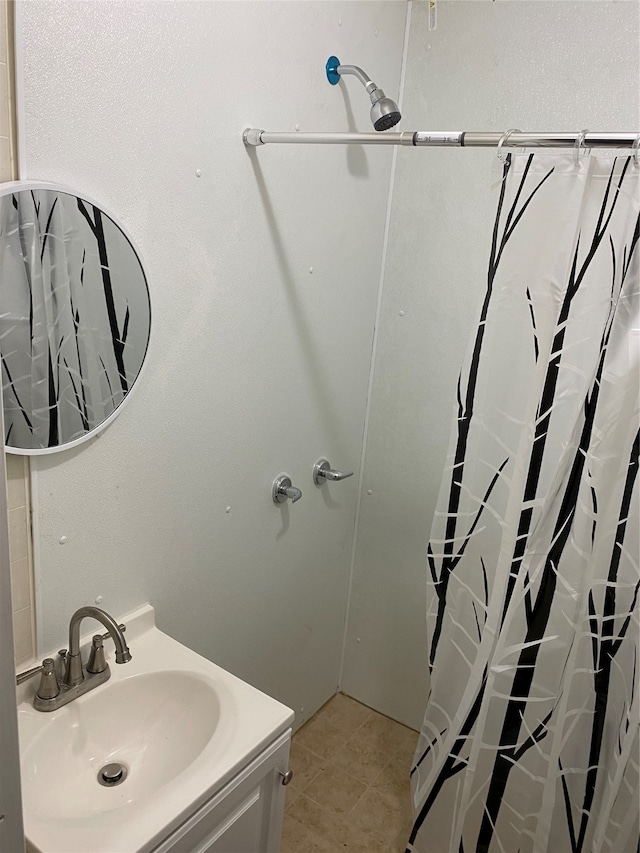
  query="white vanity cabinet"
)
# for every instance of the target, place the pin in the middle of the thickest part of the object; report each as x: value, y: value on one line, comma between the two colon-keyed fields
x: 205, y: 755
x: 245, y: 816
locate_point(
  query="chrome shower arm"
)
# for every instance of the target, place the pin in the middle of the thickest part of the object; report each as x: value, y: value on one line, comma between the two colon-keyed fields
x: 366, y: 81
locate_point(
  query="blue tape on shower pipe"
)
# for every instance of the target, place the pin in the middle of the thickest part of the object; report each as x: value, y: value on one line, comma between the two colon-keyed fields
x: 332, y: 70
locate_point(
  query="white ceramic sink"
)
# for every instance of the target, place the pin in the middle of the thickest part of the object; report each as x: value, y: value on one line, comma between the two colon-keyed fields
x: 180, y: 726
x: 154, y: 724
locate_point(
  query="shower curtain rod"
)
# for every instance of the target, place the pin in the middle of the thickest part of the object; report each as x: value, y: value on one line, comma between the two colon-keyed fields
x: 254, y: 137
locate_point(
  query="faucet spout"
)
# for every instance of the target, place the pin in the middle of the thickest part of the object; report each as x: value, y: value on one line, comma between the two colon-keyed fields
x: 74, y: 674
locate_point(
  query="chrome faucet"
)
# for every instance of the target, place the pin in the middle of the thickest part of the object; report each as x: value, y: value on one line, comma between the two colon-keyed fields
x: 58, y: 688
x: 74, y: 671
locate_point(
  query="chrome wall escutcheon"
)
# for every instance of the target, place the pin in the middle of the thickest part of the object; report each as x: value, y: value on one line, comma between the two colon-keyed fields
x: 322, y: 471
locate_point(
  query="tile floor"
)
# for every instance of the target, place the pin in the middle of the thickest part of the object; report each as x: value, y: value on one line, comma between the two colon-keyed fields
x: 350, y: 788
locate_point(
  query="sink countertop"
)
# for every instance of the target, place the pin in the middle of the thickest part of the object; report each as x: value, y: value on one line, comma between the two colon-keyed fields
x: 62, y: 749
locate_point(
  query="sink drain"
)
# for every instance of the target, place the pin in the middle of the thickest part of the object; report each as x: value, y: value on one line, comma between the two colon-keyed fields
x: 112, y: 774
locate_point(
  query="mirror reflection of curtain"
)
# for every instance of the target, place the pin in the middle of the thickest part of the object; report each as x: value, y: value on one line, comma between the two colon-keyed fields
x: 530, y: 736
x: 68, y: 356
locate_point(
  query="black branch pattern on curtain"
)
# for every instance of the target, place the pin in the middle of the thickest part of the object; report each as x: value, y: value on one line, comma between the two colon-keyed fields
x: 53, y: 435
x: 454, y: 764
x: 117, y: 339
x: 608, y: 629
x: 465, y: 407
x: 538, y: 615
x: 605, y: 645
x: 27, y: 277
x: 604, y: 653
x: 81, y: 395
x: 12, y: 386
x: 545, y: 409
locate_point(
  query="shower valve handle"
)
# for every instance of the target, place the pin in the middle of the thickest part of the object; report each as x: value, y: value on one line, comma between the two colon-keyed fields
x: 322, y: 471
x: 282, y: 490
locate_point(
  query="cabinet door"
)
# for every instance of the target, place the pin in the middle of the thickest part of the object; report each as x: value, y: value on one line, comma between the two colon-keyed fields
x: 245, y: 817
x: 247, y: 828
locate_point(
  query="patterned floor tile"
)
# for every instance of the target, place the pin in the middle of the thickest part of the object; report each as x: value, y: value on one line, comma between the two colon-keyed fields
x: 350, y: 791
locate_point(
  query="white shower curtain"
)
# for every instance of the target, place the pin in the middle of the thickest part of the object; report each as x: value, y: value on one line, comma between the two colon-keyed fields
x: 530, y: 736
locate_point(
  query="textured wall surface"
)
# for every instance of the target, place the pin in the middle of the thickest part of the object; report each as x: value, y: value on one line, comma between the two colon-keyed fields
x: 263, y: 274
x: 556, y: 66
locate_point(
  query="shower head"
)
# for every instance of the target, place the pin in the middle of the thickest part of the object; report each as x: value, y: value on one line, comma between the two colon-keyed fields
x: 384, y: 111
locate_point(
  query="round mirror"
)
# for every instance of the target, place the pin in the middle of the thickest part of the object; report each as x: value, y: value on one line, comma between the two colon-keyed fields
x: 75, y: 317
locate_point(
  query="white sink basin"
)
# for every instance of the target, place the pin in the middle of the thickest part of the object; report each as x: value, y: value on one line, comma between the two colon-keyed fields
x: 179, y: 725
x: 147, y: 723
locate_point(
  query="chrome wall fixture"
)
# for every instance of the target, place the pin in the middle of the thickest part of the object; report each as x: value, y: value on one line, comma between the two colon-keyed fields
x: 384, y: 111
x: 282, y: 490
x: 323, y: 473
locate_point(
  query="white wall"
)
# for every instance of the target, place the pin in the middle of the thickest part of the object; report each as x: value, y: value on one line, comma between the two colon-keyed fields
x: 559, y: 66
x: 257, y: 365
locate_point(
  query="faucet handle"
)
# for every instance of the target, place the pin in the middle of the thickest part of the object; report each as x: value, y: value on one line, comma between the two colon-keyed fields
x: 97, y: 662
x: 28, y: 673
x: 49, y: 687
x: 48, y: 679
